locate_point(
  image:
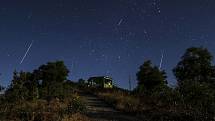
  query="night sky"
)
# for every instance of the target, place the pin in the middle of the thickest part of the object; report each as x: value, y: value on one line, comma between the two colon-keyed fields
x: 102, y: 37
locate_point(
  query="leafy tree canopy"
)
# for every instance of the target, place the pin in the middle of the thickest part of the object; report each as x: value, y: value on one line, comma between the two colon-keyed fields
x: 195, y: 65
x: 52, y: 72
x: 53, y: 75
x: 150, y: 77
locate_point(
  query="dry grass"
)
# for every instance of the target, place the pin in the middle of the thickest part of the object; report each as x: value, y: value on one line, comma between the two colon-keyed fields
x: 77, y: 117
x: 121, y: 101
x: 41, y: 110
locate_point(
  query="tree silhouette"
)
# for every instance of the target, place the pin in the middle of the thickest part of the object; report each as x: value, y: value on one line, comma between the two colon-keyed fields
x: 53, y: 74
x: 150, y: 77
x: 195, y: 75
x: 195, y: 65
x: 17, y: 89
x: 1, y: 88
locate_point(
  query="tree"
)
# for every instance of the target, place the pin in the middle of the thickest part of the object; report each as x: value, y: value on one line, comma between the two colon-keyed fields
x: 1, y: 88
x: 17, y: 90
x: 150, y: 77
x: 31, y: 84
x: 53, y: 71
x: 26, y: 85
x: 195, y: 75
x: 53, y: 75
x: 195, y: 65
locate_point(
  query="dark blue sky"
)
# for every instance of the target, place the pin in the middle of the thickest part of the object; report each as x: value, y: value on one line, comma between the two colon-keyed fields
x: 102, y: 37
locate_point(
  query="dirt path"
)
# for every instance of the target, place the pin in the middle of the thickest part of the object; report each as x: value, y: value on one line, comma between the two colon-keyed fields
x: 100, y: 111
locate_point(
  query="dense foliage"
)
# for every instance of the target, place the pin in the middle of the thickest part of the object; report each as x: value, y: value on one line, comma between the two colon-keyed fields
x: 52, y: 75
x: 149, y: 77
x: 43, y: 95
x: 195, y: 65
x: 45, y: 82
x: 196, y: 78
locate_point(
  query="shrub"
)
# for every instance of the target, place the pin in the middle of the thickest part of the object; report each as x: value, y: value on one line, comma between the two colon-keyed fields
x: 121, y: 101
x: 40, y: 110
x: 77, y: 117
x: 75, y: 105
x: 198, y: 99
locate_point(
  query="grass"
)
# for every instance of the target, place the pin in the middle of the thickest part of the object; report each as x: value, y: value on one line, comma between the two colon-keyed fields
x: 77, y: 117
x: 121, y: 101
x: 42, y: 110
x: 156, y: 107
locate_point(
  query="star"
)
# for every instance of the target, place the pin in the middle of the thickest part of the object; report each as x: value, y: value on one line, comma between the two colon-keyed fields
x: 119, y: 58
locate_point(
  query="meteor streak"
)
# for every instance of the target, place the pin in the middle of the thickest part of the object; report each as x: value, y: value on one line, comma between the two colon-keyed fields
x: 26, y: 53
x: 161, y: 61
x: 121, y: 20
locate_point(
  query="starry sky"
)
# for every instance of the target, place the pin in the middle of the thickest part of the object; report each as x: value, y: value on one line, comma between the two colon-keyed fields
x: 102, y: 37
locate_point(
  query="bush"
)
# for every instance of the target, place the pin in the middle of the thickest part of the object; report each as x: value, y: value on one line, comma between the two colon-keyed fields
x: 77, y: 117
x: 127, y: 104
x: 42, y: 110
x: 198, y: 99
x: 75, y: 105
x: 121, y: 101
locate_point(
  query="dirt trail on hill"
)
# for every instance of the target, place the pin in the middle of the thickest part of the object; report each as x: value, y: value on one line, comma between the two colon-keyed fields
x: 101, y: 111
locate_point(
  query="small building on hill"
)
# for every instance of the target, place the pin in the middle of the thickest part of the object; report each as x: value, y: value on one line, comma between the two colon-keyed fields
x: 101, y: 82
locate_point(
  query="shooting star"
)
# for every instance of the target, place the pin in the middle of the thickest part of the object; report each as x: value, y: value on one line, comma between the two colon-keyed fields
x: 26, y: 53
x: 121, y: 20
x: 161, y: 61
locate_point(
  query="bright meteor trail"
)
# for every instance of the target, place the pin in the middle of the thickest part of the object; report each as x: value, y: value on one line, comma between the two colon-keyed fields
x: 26, y: 52
x: 161, y: 61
